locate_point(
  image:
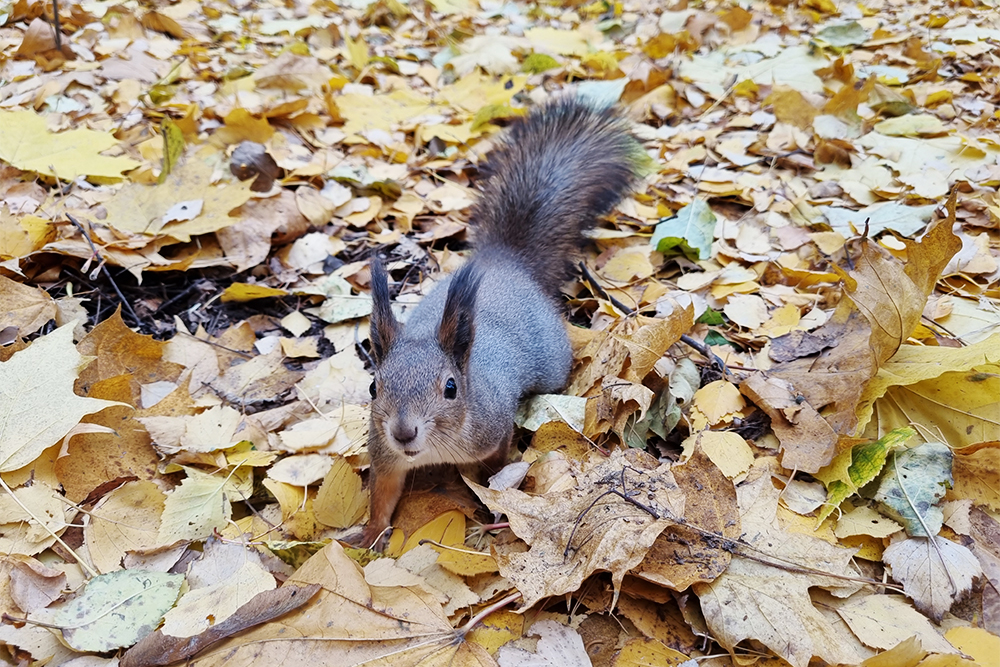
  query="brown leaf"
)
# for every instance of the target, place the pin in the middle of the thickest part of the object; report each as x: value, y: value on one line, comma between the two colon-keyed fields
x: 628, y: 349
x: 350, y: 623
x: 808, y: 442
x: 891, y: 293
x: 160, y: 649
x: 765, y: 592
x: 694, y: 551
x: 832, y: 382
x: 589, y: 528
x: 248, y: 241
x: 119, y: 351
x: 27, y: 308
x: 33, y: 586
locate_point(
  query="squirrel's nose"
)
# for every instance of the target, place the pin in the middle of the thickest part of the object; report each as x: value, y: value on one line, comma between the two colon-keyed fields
x: 404, y: 434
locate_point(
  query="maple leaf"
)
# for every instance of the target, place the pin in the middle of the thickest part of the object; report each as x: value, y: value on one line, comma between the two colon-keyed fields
x: 26, y: 142
x: 587, y: 528
x: 37, y: 403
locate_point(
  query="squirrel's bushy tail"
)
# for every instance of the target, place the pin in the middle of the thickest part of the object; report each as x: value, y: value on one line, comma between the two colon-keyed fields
x: 551, y: 175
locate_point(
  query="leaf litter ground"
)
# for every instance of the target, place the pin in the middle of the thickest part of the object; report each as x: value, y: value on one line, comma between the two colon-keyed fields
x: 191, y: 193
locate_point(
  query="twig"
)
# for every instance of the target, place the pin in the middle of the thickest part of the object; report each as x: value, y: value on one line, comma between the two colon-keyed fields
x: 84, y: 564
x: 475, y: 620
x: 55, y: 24
x: 706, y: 352
x: 602, y: 293
x: 104, y: 267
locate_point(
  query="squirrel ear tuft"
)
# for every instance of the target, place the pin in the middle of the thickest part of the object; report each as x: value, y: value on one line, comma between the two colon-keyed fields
x: 458, y: 323
x: 384, y: 326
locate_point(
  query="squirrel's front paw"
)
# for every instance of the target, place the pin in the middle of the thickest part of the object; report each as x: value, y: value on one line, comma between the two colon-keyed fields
x: 372, y: 537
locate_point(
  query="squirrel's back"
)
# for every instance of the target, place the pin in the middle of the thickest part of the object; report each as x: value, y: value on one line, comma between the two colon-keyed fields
x: 548, y: 179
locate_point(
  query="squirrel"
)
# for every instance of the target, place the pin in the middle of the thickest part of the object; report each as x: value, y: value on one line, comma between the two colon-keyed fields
x: 447, y: 384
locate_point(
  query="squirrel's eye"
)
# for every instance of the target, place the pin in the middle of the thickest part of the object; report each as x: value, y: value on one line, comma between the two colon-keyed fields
x: 371, y: 389
x: 450, y: 388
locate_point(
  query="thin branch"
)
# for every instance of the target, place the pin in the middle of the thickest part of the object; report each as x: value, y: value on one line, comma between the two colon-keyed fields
x: 104, y: 267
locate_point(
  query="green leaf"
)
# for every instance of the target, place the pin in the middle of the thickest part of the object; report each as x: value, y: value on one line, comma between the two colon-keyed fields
x: 863, y: 463
x: 690, y: 231
x: 117, y: 609
x: 536, y: 63
x: 913, y: 483
x: 711, y: 317
x: 844, y: 34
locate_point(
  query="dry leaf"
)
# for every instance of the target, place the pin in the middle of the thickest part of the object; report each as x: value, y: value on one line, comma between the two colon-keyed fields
x: 576, y: 532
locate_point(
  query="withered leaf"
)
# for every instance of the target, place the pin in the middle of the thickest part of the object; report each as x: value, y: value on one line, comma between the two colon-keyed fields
x: 589, y: 528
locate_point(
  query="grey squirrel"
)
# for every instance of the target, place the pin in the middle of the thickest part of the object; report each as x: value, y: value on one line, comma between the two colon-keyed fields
x: 447, y: 384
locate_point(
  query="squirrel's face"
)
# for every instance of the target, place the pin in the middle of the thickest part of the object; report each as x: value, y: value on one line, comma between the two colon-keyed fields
x: 419, y: 405
x: 419, y: 400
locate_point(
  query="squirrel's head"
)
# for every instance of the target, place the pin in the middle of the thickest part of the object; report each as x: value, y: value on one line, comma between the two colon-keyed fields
x: 419, y: 394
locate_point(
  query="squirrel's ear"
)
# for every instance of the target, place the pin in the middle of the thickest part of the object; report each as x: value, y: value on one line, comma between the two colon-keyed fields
x: 458, y: 323
x: 384, y: 326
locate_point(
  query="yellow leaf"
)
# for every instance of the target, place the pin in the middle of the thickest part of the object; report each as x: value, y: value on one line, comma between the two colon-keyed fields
x: 244, y: 292
x: 475, y: 91
x: 643, y: 652
x: 241, y: 125
x: 340, y: 501
x: 173, y: 147
x: 497, y: 629
x: 26, y: 143
x: 143, y: 209
x: 563, y: 42
x: 20, y: 237
x: 465, y: 562
x: 940, y: 386
x: 357, y: 52
x: 715, y: 403
x: 726, y: 449
x: 447, y: 529
x: 37, y: 403
x: 983, y: 646
x: 379, y: 112
x: 454, y: 134
x: 466, y: 7
x: 195, y: 509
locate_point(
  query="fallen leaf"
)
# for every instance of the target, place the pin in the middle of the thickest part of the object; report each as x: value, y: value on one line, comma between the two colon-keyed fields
x: 37, y: 403
x: 935, y: 572
x: 912, y: 484
x: 117, y: 609
x: 758, y: 597
x: 224, y: 579
x: 127, y: 519
x: 351, y: 622
x: 159, y: 649
x: 140, y: 209
x: 576, y: 532
x: 26, y: 308
x: 557, y: 645
x: 884, y: 621
x: 194, y: 509
x: 26, y: 143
